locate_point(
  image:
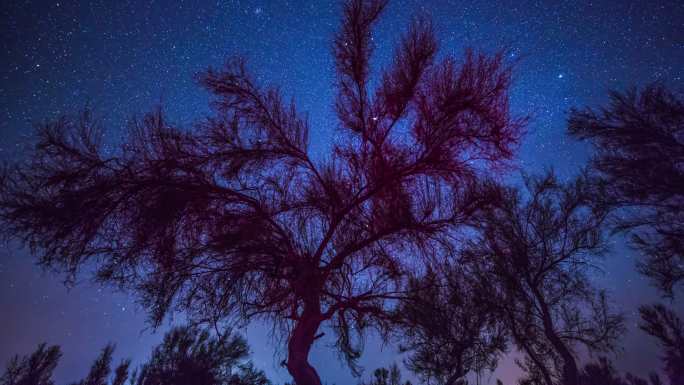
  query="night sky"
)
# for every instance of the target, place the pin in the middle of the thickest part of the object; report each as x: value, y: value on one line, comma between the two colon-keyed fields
x: 124, y: 57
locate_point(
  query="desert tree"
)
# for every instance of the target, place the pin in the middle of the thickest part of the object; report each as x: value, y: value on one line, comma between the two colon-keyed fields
x: 534, y: 254
x: 234, y: 220
x: 34, y: 369
x: 446, y: 328
x: 639, y: 163
x: 190, y: 355
x: 663, y: 324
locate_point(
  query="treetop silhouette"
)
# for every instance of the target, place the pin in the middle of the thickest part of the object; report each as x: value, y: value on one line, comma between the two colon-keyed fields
x: 639, y: 141
x: 533, y: 254
x: 233, y: 219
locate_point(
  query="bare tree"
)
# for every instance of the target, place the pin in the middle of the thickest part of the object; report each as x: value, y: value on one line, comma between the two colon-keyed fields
x: 446, y: 327
x: 639, y: 164
x: 663, y: 324
x: 235, y: 220
x: 534, y: 254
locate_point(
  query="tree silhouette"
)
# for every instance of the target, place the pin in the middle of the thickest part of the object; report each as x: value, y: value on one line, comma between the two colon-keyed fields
x: 447, y: 327
x: 639, y: 139
x: 188, y: 355
x: 192, y: 356
x: 235, y: 220
x: 534, y: 254
x: 663, y: 324
x: 35, y: 369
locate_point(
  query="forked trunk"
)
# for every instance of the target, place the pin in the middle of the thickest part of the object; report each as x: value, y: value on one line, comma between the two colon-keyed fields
x: 299, y: 345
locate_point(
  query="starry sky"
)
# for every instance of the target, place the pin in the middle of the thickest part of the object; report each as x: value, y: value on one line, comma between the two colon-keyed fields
x: 124, y: 57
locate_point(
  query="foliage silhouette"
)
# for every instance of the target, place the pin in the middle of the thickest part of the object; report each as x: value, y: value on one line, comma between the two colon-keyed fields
x: 187, y: 355
x: 663, y: 324
x: 447, y: 328
x: 639, y: 140
x: 35, y: 369
x: 101, y: 369
x: 533, y: 256
x: 234, y: 219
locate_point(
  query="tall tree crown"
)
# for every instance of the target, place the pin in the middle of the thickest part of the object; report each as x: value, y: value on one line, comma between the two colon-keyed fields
x: 234, y: 219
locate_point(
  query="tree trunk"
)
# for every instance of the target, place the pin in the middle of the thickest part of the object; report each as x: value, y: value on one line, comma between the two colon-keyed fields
x: 570, y: 371
x: 522, y: 342
x: 454, y: 379
x: 457, y: 374
x: 299, y: 345
x: 538, y: 362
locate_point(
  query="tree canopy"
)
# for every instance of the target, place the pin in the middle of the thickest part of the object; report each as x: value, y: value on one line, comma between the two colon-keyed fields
x: 233, y: 219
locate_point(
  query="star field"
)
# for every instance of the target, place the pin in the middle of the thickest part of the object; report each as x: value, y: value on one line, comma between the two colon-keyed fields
x: 122, y: 58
